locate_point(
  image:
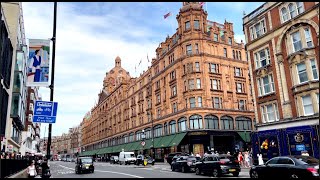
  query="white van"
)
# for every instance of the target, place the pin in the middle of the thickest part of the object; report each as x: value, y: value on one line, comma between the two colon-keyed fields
x: 127, y: 158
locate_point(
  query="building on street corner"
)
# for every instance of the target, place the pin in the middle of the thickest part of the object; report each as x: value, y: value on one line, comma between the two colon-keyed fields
x: 196, y: 96
x: 283, y: 51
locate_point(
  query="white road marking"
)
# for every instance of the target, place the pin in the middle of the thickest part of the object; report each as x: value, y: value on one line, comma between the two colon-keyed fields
x: 109, y: 172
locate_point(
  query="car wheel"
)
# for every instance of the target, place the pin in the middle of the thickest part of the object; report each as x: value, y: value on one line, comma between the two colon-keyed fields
x: 92, y: 171
x: 198, y: 172
x: 172, y: 168
x: 254, y: 174
x: 235, y: 174
x: 215, y: 173
x: 183, y: 169
x: 76, y: 171
x: 293, y: 176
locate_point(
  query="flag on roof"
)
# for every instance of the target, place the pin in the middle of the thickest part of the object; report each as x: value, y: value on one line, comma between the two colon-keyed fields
x: 167, y: 15
x: 148, y: 58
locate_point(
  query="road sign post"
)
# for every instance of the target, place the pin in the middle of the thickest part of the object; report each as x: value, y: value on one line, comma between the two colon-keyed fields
x: 45, y: 112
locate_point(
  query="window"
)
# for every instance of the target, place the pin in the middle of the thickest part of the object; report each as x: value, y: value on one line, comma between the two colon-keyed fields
x: 227, y: 122
x: 241, y: 105
x: 217, y: 102
x: 158, y: 113
x: 138, y: 135
x: 213, y: 68
x: 165, y: 129
x: 189, y: 49
x: 302, y: 72
x: 215, y: 37
x: 172, y: 127
x: 243, y: 123
x: 233, y: 54
x: 148, y: 133
x: 173, y: 91
x: 262, y: 58
x: 296, y: 41
x: 215, y: 84
x: 293, y: 10
x: 239, y: 87
x: 199, y: 101
x: 258, y: 30
x: 211, y: 122
x: 198, y: 83
x: 285, y: 161
x: 158, y: 84
x: 225, y: 52
x: 196, y: 24
x: 197, y: 67
x: 265, y: 85
x: 31, y: 107
x: 230, y: 41
x: 314, y: 69
x: 191, y: 84
x: 269, y: 113
x: 182, y: 124
x: 237, y: 72
x: 187, y: 25
x: 308, y: 37
x: 173, y: 75
x: 285, y: 15
x: 158, y: 98
x: 195, y: 122
x: 192, y: 102
x: 300, y: 7
x: 174, y: 107
x: 307, y: 105
x: 240, y: 55
x: 197, y: 48
x: 157, y: 131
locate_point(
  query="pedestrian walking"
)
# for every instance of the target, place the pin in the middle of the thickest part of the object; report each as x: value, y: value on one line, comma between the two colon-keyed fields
x: 260, y: 159
x: 246, y: 159
x: 32, y: 172
x: 240, y: 158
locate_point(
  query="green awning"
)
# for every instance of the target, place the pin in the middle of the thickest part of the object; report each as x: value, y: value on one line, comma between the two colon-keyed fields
x: 245, y: 136
x: 102, y: 150
x: 177, y: 139
x: 165, y: 141
x: 127, y: 146
x: 135, y: 146
x: 108, y: 150
x: 156, y: 141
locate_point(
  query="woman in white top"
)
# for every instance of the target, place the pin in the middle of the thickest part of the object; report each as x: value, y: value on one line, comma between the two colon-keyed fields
x: 32, y: 172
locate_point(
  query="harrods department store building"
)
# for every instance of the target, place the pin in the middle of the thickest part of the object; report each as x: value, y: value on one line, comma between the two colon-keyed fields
x: 196, y: 96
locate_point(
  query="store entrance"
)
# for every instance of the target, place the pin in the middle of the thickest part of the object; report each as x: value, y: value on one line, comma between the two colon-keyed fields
x: 223, y: 144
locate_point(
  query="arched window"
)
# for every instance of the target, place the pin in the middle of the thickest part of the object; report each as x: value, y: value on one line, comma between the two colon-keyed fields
x: 157, y: 130
x: 284, y: 14
x: 227, y: 123
x: 293, y: 10
x: 240, y: 55
x: 243, y: 123
x: 182, y: 124
x: 172, y: 127
x: 131, y: 137
x: 165, y: 128
x: 147, y: 132
x: 126, y: 140
x: 211, y: 122
x: 138, y: 136
x: 300, y: 7
x: 237, y: 57
x: 233, y: 54
x: 195, y: 122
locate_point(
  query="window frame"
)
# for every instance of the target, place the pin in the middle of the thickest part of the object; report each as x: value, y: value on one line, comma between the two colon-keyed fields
x: 310, y: 104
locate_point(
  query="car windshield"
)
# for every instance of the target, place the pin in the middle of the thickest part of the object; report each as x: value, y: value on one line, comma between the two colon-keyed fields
x: 129, y: 155
x: 307, y: 160
x: 86, y: 160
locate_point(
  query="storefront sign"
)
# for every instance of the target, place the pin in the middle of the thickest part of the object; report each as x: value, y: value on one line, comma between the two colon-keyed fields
x: 300, y: 147
x: 197, y: 133
x: 298, y: 142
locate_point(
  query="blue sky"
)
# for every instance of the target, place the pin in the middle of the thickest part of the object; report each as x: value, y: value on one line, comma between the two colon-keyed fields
x: 91, y: 34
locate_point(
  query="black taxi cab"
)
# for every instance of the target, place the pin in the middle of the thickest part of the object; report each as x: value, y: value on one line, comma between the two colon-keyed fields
x: 84, y: 164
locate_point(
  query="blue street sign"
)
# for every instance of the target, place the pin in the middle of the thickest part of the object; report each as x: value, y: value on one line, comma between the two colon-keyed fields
x: 300, y: 147
x: 45, y: 112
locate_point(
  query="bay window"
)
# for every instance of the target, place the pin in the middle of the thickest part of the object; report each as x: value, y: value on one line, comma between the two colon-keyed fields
x: 262, y: 58
x: 302, y: 72
x: 265, y: 85
x: 307, y: 105
x: 269, y: 113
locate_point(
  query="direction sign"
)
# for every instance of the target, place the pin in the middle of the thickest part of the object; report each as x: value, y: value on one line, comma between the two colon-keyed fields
x: 143, y: 143
x: 45, y: 112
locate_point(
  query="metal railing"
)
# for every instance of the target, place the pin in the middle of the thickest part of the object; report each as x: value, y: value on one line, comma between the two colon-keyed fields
x: 12, y: 166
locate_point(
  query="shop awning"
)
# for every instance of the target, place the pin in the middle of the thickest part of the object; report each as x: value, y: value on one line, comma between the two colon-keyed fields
x: 165, y: 141
x: 156, y: 141
x: 128, y: 146
x: 177, y: 139
x: 102, y: 150
x: 135, y: 146
x: 245, y: 136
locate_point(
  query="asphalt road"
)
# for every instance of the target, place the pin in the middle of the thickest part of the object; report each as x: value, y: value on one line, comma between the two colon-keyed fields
x: 105, y: 170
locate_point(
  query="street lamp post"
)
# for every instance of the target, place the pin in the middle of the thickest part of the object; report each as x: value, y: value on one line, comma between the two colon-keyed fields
x: 143, y: 137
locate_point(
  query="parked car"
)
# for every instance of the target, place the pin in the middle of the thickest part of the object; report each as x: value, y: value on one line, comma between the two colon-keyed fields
x: 84, y: 164
x: 287, y: 167
x: 171, y: 155
x: 127, y: 158
x: 218, y: 165
x: 114, y: 160
x: 68, y: 159
x: 141, y: 158
x: 184, y: 164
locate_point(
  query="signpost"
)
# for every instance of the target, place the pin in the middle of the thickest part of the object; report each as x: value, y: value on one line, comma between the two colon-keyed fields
x: 45, y: 112
x: 143, y: 143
